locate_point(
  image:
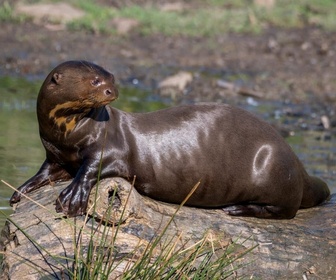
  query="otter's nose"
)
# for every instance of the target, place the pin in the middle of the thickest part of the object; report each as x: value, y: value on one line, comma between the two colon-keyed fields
x: 108, y: 92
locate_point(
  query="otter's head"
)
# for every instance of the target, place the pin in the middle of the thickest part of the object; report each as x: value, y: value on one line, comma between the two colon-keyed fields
x: 71, y: 90
x: 81, y: 82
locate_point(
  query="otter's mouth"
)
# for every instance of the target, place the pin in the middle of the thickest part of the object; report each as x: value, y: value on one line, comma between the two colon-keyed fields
x: 106, y: 102
x: 102, y: 98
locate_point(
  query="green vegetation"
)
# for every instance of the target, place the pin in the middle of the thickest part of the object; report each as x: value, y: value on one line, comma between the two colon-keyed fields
x: 211, y: 17
x: 201, y: 18
x: 7, y: 13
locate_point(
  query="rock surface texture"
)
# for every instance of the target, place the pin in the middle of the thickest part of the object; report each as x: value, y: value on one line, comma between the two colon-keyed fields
x: 300, y: 248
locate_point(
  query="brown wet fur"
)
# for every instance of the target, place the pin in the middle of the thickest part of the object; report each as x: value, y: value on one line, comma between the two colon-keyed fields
x: 243, y: 164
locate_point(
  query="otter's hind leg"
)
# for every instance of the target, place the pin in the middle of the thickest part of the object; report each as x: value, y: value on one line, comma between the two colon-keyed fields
x: 260, y: 211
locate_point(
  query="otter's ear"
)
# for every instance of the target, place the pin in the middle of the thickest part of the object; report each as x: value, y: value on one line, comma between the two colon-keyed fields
x: 56, y: 78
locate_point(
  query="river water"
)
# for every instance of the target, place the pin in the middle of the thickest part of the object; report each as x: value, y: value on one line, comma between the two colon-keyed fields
x: 21, y: 152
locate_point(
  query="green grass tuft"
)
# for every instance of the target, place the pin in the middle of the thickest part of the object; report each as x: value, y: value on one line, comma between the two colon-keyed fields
x: 7, y: 13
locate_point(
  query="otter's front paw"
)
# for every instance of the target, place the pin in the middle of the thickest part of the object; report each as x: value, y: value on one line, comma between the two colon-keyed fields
x: 72, y: 201
x: 16, y: 197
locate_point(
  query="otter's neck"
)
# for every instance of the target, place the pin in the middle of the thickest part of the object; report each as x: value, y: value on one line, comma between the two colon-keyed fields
x: 59, y: 119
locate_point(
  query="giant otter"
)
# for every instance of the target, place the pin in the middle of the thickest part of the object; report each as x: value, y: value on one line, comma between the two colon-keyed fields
x: 243, y: 164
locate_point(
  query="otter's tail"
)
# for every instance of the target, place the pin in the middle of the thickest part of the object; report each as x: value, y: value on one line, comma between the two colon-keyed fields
x: 315, y: 192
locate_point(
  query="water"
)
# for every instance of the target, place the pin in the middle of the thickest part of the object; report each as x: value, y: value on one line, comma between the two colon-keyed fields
x: 21, y: 152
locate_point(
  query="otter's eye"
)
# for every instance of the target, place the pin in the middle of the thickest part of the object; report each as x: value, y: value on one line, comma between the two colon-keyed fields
x: 96, y: 82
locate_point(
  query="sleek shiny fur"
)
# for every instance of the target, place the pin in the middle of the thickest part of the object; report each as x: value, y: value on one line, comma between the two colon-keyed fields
x: 243, y: 164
